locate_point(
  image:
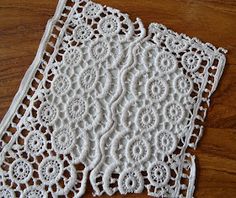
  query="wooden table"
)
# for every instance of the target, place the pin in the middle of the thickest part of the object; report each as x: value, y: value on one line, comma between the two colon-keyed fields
x: 22, y: 24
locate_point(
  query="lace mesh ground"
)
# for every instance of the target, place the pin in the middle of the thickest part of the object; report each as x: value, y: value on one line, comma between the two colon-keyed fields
x: 103, y: 96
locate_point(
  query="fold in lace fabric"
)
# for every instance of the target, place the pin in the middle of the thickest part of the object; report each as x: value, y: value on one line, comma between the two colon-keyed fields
x: 108, y: 102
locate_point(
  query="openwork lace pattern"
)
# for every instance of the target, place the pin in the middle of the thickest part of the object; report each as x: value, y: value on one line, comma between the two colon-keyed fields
x: 107, y: 101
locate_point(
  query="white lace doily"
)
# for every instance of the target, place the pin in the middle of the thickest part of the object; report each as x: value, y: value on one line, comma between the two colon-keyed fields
x: 108, y: 101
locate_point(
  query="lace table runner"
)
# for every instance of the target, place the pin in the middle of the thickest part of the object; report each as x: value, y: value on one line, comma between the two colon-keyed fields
x: 107, y: 101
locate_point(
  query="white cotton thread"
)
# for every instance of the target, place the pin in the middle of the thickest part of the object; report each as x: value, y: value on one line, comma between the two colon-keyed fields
x: 112, y: 99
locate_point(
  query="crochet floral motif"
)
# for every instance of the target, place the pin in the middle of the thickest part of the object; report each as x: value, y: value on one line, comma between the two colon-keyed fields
x: 108, y: 101
x: 35, y: 143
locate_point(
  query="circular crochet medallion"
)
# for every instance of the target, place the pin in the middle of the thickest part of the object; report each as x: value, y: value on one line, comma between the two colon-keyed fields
x: 159, y: 174
x: 35, y: 143
x: 50, y: 170
x: 174, y: 112
x: 6, y: 192
x: 147, y: 119
x: 99, y: 50
x: 47, y: 114
x: 156, y: 89
x: 138, y: 150
x: 191, y: 61
x: 77, y: 108
x: 88, y: 78
x: 175, y: 44
x: 21, y: 171
x: 83, y: 33
x: 109, y: 26
x: 61, y: 85
x: 166, y: 142
x: 34, y: 192
x: 183, y: 85
x: 130, y: 181
x: 166, y: 62
x: 73, y: 56
x: 92, y: 10
x: 63, y: 140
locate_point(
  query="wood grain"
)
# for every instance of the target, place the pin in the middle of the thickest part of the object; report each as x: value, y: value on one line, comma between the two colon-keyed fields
x: 22, y: 23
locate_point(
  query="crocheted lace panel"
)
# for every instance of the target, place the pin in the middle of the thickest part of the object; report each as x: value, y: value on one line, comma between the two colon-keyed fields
x: 106, y: 101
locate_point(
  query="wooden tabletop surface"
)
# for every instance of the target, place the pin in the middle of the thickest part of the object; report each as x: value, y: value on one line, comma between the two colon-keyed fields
x: 22, y: 23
